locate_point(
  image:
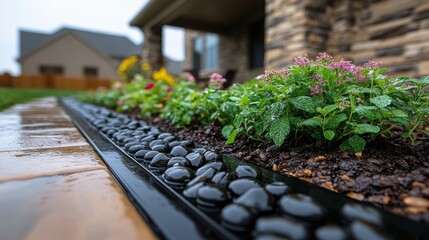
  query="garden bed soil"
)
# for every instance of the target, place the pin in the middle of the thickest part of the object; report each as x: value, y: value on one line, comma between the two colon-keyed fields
x: 391, y: 173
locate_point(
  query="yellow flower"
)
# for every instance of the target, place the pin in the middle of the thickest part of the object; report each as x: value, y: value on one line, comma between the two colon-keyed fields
x: 146, y: 66
x: 126, y: 64
x: 162, y: 75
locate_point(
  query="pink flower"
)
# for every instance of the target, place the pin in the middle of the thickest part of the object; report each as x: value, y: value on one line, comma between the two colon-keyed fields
x: 269, y: 73
x: 315, y: 90
x: 117, y: 86
x: 324, y: 57
x: 188, y: 76
x: 343, y: 65
x: 120, y: 102
x: 261, y: 76
x: 302, y: 61
x: 217, y: 80
x: 282, y: 71
x: 360, y: 78
x: 373, y: 64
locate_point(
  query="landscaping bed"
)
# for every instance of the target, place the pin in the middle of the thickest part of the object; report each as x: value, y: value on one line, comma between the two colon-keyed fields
x: 391, y: 173
x: 347, y: 128
x: 227, y: 195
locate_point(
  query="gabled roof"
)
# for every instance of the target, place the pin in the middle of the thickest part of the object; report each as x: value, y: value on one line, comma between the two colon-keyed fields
x: 109, y: 45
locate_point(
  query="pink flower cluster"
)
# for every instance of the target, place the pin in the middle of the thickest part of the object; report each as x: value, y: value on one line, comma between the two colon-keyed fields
x: 373, y: 64
x: 318, y: 88
x: 343, y: 104
x: 302, y: 61
x: 216, y: 77
x: 324, y: 57
x: 217, y: 80
x: 315, y: 90
x: 269, y: 73
x: 347, y: 66
x: 188, y: 76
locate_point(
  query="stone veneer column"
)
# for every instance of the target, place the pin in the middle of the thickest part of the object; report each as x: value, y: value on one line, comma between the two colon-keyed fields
x: 294, y: 28
x: 284, y: 32
x: 152, y: 47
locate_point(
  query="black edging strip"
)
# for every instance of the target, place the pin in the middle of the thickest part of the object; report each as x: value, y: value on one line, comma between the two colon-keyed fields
x: 168, y: 214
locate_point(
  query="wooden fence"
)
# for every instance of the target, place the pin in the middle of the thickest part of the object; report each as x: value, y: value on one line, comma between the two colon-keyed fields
x: 53, y: 82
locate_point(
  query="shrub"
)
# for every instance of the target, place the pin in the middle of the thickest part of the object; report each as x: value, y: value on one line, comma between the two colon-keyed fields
x: 323, y: 99
x: 146, y: 95
x: 331, y: 101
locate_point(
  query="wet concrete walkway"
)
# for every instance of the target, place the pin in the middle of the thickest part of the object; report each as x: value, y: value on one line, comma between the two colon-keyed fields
x: 52, y: 183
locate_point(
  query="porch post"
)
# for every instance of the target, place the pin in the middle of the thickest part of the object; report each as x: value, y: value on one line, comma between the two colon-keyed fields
x: 152, y: 47
x: 294, y: 28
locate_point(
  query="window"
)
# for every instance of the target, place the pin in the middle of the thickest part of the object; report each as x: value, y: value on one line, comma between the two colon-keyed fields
x: 90, y: 71
x: 46, y: 69
x: 198, y: 52
x: 256, y: 44
x: 206, y: 52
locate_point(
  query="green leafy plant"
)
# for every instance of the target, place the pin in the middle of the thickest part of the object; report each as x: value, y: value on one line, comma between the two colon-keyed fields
x: 323, y: 99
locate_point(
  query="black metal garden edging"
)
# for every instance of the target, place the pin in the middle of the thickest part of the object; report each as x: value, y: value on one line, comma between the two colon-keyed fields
x: 172, y: 216
x: 167, y: 214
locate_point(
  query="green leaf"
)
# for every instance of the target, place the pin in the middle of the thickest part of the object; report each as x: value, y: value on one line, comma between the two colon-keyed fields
x: 295, y: 122
x: 398, y: 114
x: 276, y: 109
x: 425, y: 79
x: 232, y: 137
x: 327, y: 109
x: 357, y: 143
x: 423, y: 110
x: 304, y: 103
x: 368, y: 90
x: 259, y: 128
x: 362, y: 110
x: 329, y: 134
x: 227, y: 130
x: 335, y: 121
x: 406, y: 135
x: 279, y: 130
x: 237, y: 121
x: 403, y: 121
x: 313, y: 122
x: 381, y: 101
x: 345, y: 146
x: 365, y: 128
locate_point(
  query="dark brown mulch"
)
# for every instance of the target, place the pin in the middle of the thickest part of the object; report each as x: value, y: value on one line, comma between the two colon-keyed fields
x: 391, y: 173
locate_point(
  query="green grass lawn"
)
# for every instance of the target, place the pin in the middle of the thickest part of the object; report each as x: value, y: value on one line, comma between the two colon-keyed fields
x: 10, y: 96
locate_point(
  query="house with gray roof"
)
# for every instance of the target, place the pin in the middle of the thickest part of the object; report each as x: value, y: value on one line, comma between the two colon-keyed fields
x: 74, y: 52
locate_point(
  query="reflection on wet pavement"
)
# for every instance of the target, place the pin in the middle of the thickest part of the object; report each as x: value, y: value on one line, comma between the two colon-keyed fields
x: 27, y: 164
x: 85, y: 205
x: 52, y: 183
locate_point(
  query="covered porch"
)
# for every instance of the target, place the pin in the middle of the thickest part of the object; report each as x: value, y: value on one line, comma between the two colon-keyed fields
x: 220, y: 36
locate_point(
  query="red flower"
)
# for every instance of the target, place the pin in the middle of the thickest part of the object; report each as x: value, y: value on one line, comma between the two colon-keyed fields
x: 149, y: 86
x: 169, y: 90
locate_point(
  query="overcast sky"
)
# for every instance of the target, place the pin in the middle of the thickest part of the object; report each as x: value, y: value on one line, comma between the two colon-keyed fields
x: 47, y: 16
